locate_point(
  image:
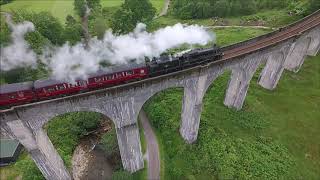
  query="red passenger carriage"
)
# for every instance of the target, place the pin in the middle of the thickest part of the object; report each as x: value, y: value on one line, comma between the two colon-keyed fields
x: 22, y: 93
x: 15, y: 94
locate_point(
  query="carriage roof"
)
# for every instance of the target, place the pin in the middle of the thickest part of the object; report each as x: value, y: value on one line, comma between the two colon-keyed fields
x: 10, y: 88
x: 49, y: 82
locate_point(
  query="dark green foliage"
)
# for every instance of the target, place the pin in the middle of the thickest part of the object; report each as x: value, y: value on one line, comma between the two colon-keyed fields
x: 94, y: 4
x: 46, y: 24
x: 98, y: 26
x: 131, y: 13
x: 28, y: 169
x: 122, y: 175
x: 313, y: 6
x: 2, y: 80
x: 2, y: 2
x: 124, y: 21
x: 110, y: 143
x: 73, y: 31
x: 35, y: 39
x: 79, y: 7
x: 49, y: 27
x: 23, y: 74
x: 4, y: 32
x: 66, y: 130
x: 219, y: 151
x: 188, y: 9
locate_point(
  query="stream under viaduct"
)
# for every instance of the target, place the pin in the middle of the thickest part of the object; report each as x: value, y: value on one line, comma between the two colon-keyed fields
x: 285, y: 48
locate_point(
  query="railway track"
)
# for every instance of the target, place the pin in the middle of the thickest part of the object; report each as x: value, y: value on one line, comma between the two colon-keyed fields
x: 274, y: 39
x: 247, y: 47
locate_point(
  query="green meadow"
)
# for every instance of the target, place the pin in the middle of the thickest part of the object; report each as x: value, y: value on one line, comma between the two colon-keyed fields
x: 61, y: 8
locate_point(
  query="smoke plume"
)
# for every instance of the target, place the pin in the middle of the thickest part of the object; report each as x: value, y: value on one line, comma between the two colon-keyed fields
x: 69, y: 63
x: 18, y: 53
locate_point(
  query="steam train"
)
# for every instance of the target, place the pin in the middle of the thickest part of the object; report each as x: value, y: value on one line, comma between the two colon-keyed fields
x: 27, y: 92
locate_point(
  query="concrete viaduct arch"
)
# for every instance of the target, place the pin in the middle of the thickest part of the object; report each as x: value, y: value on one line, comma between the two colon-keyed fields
x: 123, y: 103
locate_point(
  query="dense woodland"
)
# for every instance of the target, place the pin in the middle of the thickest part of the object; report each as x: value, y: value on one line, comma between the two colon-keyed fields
x: 188, y: 9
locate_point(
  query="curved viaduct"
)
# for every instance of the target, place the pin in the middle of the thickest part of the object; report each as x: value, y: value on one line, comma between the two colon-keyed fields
x: 285, y: 48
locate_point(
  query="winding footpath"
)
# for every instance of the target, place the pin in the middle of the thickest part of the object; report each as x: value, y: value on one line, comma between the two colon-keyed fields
x: 165, y: 8
x: 153, y: 155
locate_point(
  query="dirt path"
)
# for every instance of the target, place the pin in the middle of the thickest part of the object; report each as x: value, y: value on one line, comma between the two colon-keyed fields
x: 89, y: 161
x: 153, y: 156
x: 254, y: 27
x: 165, y: 8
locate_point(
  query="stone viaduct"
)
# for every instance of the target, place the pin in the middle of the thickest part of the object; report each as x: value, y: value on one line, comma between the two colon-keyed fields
x: 123, y: 103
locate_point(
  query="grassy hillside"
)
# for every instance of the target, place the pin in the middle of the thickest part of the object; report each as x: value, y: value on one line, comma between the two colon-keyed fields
x: 61, y: 8
x: 275, y: 136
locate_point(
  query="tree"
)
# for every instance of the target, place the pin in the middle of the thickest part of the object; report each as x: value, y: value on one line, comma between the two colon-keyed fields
x: 94, y: 4
x: 79, y: 7
x: 73, y: 30
x: 110, y: 143
x: 46, y: 24
x: 131, y: 13
x: 4, y: 33
x: 221, y: 8
x: 313, y: 6
x: 99, y: 27
x: 83, y: 9
x: 123, y: 21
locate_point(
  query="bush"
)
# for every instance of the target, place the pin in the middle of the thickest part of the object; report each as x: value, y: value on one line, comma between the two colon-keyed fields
x: 2, y: 2
x: 131, y: 13
x: 46, y: 24
x: 66, y: 130
x: 110, y: 143
x: 121, y: 175
x: 188, y: 9
x: 28, y: 169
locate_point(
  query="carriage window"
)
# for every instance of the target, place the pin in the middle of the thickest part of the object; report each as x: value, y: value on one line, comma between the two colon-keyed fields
x: 129, y: 73
x: 82, y: 83
x: 20, y: 94
x: 12, y: 96
x: 123, y: 74
x: 98, y: 79
x: 70, y: 85
x: 60, y: 87
x: 50, y: 89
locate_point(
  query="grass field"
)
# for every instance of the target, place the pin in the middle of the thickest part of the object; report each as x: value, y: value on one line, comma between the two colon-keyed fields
x: 276, y: 135
x: 229, y: 36
x: 270, y: 18
x: 61, y: 8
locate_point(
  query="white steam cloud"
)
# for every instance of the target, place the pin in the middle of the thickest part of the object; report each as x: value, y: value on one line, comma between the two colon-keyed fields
x: 69, y: 63
x: 18, y: 54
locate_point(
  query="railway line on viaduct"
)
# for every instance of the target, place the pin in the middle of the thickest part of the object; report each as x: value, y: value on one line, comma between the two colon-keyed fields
x: 283, y: 49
